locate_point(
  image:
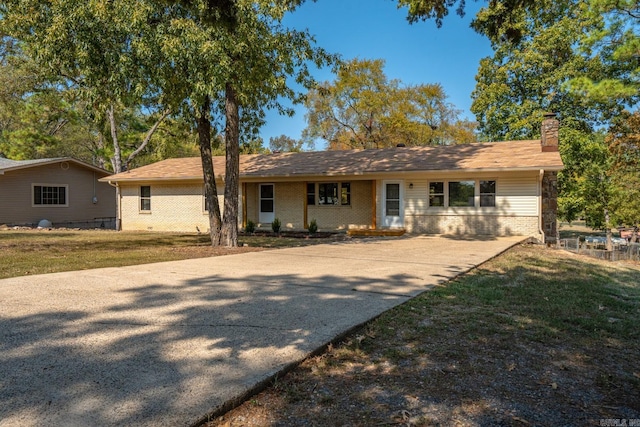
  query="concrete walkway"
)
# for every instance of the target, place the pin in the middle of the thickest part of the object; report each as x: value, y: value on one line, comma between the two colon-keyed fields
x: 165, y: 344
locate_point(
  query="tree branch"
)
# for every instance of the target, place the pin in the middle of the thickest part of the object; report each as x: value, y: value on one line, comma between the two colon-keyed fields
x: 147, y: 137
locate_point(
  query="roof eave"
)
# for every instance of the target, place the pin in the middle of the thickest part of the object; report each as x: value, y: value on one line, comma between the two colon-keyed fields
x: 53, y: 161
x: 359, y: 174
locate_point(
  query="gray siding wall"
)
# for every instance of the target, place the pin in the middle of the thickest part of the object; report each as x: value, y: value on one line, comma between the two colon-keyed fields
x: 16, y: 195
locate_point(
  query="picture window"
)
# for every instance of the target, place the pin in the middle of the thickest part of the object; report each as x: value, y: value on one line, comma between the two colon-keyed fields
x: 50, y: 195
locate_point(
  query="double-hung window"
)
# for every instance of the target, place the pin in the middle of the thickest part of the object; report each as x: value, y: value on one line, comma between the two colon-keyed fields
x: 345, y: 193
x: 436, y: 194
x: 145, y: 198
x: 487, y: 194
x: 311, y: 193
x: 50, y: 195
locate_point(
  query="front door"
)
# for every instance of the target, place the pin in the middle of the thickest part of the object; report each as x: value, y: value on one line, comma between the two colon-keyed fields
x: 267, y: 204
x: 393, y: 215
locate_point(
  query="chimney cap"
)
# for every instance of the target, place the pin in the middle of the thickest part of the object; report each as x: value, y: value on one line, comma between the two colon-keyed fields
x: 549, y: 115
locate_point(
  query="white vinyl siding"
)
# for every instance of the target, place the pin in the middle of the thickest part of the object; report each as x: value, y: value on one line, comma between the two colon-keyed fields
x: 514, y: 196
x: 518, y: 196
x: 515, y: 211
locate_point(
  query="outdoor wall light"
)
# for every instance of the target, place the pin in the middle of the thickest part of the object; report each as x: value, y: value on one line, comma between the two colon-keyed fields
x: 411, y: 185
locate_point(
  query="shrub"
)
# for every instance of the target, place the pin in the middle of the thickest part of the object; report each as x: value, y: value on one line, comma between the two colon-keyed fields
x: 313, y: 227
x: 275, y: 225
x: 250, y: 227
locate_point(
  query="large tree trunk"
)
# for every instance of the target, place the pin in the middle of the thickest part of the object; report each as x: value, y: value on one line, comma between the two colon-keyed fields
x: 210, y: 191
x: 232, y: 172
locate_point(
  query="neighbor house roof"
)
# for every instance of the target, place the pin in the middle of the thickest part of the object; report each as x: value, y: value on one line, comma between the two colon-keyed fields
x: 9, y: 165
x: 494, y: 156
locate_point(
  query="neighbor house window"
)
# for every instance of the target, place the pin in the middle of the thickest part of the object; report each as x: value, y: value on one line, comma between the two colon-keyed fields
x: 488, y: 194
x: 462, y: 193
x: 49, y: 195
x: 436, y: 194
x: 311, y: 193
x: 145, y: 198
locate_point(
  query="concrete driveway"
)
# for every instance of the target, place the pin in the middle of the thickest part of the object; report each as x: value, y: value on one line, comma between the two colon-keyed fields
x: 166, y: 344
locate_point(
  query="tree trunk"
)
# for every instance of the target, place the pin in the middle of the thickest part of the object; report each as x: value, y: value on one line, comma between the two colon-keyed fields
x: 116, y: 162
x: 98, y: 153
x: 232, y: 168
x: 210, y: 191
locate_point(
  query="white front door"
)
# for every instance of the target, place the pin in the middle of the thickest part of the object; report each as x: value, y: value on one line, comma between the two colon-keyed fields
x: 393, y: 209
x: 267, y: 204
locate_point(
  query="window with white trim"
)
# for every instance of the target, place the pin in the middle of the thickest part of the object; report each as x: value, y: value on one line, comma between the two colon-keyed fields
x: 436, y: 194
x: 487, y: 194
x: 145, y: 198
x: 50, y: 195
x: 463, y: 193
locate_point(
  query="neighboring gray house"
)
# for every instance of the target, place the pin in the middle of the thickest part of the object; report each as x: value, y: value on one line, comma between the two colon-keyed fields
x: 64, y: 191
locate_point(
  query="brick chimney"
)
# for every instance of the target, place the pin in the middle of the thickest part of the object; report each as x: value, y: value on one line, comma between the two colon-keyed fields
x: 549, y: 132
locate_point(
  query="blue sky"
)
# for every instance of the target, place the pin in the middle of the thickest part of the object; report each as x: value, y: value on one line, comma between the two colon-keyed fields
x: 417, y: 53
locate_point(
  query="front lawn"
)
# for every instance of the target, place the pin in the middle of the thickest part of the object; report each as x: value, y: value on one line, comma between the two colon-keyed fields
x: 25, y: 252
x: 535, y: 337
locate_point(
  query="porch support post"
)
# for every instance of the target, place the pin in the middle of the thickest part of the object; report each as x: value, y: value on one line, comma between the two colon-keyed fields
x: 374, y: 205
x: 244, y: 205
x: 305, y: 220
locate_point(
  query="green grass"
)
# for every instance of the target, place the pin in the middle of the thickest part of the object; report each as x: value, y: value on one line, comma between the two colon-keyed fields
x: 536, y: 336
x: 27, y: 252
x: 545, y: 295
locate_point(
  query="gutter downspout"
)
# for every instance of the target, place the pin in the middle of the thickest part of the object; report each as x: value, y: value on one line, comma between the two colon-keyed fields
x: 540, y: 204
x: 118, y: 206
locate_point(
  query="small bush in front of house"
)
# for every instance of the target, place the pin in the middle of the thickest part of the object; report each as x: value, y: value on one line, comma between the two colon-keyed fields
x: 276, y: 225
x: 250, y: 227
x: 313, y: 227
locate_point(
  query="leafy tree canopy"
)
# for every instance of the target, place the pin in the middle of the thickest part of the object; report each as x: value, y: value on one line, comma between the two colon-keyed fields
x: 362, y: 108
x: 284, y: 144
x: 524, y: 79
x: 613, y: 38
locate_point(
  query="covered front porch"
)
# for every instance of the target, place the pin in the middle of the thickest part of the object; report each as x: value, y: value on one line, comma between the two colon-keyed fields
x: 334, y: 205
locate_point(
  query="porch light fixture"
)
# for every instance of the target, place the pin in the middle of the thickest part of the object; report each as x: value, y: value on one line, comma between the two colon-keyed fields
x: 411, y: 185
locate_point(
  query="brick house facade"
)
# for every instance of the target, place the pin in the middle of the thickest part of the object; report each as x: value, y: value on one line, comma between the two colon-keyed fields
x: 500, y: 188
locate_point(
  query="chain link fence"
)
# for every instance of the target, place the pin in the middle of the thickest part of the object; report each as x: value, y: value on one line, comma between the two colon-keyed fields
x: 620, y: 252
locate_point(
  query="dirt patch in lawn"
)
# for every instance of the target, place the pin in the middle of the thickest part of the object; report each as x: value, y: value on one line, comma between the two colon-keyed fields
x: 534, y: 337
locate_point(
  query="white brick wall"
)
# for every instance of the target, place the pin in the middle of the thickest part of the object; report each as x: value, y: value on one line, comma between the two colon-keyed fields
x: 173, y: 208
x: 473, y: 224
x: 180, y: 208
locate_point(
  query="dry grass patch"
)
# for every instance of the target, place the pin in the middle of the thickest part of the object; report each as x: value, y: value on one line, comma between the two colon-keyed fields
x: 27, y: 252
x: 534, y: 337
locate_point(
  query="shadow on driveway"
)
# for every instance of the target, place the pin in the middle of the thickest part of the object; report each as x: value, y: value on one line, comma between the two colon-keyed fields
x: 165, y: 344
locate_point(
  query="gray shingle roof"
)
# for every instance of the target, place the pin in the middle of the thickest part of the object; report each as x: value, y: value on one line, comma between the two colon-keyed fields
x: 495, y: 156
